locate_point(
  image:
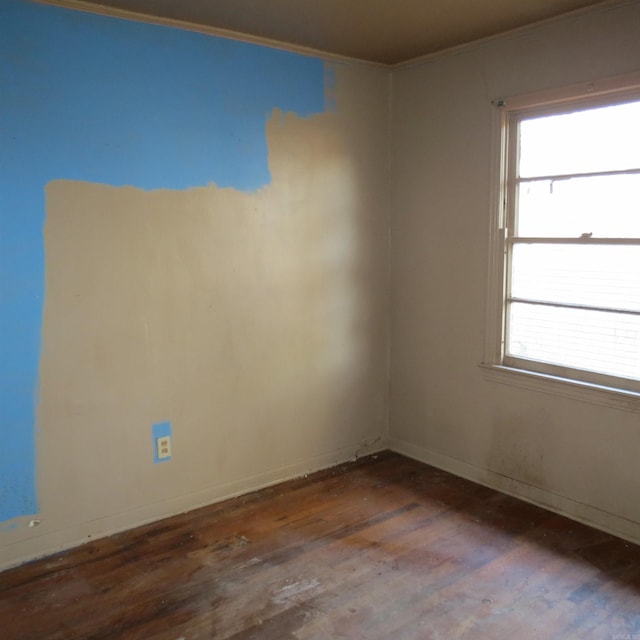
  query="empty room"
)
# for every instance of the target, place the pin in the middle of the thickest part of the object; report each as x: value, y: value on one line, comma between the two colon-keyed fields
x: 319, y: 320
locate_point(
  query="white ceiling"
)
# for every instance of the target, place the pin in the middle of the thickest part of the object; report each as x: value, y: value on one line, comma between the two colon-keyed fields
x: 385, y: 31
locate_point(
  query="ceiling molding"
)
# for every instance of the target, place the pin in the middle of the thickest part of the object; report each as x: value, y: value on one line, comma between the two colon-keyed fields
x: 113, y: 12
x: 601, y: 7
x: 124, y: 14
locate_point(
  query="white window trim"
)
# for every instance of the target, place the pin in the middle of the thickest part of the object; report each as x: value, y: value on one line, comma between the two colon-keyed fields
x: 493, y: 366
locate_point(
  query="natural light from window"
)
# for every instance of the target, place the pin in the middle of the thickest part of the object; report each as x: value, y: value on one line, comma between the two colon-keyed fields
x: 574, y: 288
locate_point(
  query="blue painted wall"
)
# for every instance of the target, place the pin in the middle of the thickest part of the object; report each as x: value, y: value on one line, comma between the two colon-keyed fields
x: 97, y: 99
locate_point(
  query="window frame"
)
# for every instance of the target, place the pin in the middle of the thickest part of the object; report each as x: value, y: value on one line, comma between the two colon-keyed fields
x: 499, y: 367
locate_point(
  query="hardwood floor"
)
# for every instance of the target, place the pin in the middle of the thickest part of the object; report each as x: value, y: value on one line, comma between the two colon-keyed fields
x: 382, y: 548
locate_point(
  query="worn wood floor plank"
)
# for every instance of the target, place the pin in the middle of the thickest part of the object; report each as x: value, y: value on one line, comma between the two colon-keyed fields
x: 383, y: 548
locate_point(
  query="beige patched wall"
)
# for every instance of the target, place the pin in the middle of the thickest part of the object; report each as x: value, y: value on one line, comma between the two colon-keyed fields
x: 256, y: 323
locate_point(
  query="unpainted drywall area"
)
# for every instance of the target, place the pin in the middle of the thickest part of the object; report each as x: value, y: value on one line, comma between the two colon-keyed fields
x: 570, y: 455
x: 215, y: 264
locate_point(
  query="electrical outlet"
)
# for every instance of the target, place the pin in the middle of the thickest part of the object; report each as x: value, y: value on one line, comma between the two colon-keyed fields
x: 163, y: 447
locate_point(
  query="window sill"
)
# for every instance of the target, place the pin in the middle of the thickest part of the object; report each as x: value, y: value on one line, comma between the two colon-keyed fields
x: 622, y: 399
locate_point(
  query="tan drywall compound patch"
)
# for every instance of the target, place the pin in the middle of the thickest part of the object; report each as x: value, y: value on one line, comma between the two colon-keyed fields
x: 255, y: 323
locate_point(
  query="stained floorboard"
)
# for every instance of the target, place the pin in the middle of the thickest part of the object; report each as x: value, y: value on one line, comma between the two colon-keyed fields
x: 381, y: 548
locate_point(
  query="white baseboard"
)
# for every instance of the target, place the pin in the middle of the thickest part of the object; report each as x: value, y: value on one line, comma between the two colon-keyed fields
x: 46, y: 544
x: 60, y: 540
x: 599, y: 519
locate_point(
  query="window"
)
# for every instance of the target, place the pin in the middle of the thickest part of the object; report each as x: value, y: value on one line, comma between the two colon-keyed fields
x: 566, y: 243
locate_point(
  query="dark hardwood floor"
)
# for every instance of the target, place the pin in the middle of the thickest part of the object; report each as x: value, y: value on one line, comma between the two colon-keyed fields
x: 382, y: 548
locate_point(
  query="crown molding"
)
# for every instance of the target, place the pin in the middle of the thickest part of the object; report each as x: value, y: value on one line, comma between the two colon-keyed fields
x: 124, y: 14
x: 601, y: 7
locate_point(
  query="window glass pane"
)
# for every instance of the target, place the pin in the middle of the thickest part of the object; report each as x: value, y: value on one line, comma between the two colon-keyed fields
x: 606, y: 206
x: 593, y: 275
x: 595, y: 341
x: 602, y: 139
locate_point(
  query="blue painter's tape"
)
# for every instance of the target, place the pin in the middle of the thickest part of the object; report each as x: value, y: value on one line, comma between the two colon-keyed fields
x: 97, y: 99
x: 160, y: 430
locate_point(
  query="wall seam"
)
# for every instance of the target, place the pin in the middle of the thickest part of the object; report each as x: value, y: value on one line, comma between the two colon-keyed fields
x: 389, y: 246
